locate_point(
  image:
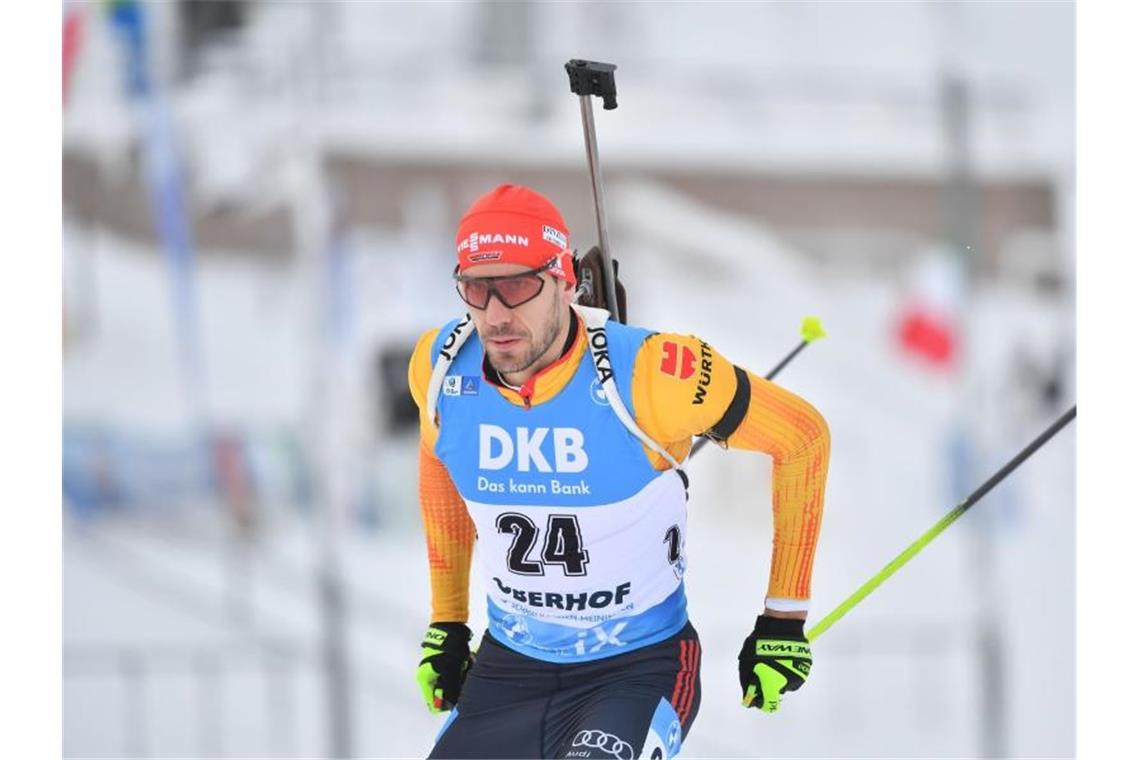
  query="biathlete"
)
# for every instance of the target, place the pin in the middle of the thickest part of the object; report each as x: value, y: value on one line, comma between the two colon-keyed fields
x: 557, y: 437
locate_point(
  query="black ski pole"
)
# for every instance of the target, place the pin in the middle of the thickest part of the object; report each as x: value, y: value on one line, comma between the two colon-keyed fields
x: 925, y: 539
x: 810, y: 331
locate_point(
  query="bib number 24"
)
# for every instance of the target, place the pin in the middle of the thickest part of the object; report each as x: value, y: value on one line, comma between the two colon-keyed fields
x: 562, y: 544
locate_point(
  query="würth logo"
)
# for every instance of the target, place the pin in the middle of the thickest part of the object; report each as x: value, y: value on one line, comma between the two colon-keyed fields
x: 670, y: 365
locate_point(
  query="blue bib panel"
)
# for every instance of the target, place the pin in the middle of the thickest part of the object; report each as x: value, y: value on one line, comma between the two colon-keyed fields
x: 579, y: 535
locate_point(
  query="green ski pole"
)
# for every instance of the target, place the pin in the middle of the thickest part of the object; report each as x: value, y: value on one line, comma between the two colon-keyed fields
x: 893, y: 566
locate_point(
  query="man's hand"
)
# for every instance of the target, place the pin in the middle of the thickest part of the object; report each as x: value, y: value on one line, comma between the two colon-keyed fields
x: 775, y: 658
x: 445, y: 660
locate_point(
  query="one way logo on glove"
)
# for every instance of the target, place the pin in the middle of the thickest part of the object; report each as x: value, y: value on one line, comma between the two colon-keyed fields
x: 530, y: 449
x: 793, y: 648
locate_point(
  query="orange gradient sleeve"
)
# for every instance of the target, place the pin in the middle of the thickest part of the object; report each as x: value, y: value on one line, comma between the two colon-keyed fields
x: 682, y: 387
x: 450, y: 541
x: 448, y: 528
x: 795, y: 434
x: 419, y: 375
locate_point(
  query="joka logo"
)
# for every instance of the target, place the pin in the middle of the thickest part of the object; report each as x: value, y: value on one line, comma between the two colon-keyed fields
x: 568, y: 443
x: 607, y: 743
x: 669, y: 364
x: 600, y: 349
x: 445, y: 349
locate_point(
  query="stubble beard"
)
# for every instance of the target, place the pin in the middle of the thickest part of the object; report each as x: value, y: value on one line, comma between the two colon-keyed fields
x: 537, y: 349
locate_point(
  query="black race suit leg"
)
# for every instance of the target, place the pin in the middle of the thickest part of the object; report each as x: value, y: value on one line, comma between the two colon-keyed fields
x: 513, y: 706
x: 610, y: 705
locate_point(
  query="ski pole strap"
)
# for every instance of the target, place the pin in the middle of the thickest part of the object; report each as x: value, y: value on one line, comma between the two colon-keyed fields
x: 892, y: 567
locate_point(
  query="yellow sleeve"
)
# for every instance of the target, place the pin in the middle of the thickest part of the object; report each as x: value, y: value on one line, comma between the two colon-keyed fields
x: 448, y: 528
x: 795, y: 434
x: 682, y: 388
x: 419, y: 374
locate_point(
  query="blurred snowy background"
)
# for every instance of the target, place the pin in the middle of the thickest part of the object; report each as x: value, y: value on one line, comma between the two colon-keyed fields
x: 259, y: 207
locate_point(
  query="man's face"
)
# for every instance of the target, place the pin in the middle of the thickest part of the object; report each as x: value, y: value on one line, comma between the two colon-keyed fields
x: 515, y: 339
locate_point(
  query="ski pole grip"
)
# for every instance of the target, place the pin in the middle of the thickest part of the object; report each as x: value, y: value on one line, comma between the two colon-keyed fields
x: 593, y: 78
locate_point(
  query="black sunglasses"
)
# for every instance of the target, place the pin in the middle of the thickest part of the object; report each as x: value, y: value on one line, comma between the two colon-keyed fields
x: 512, y: 290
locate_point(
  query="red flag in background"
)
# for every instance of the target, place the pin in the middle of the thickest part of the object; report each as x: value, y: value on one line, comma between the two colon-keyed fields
x: 72, y: 37
x: 928, y: 325
x: 928, y: 335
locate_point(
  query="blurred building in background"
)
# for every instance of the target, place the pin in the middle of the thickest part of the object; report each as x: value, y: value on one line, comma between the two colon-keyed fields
x: 259, y: 204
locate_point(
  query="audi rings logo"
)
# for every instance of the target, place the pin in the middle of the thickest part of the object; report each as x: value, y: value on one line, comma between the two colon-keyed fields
x: 607, y: 743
